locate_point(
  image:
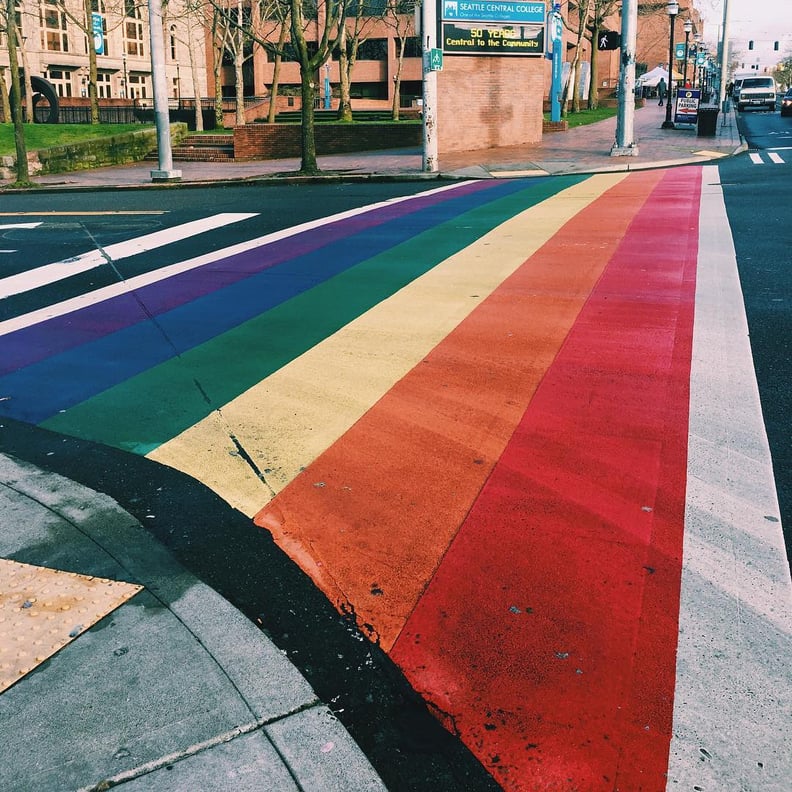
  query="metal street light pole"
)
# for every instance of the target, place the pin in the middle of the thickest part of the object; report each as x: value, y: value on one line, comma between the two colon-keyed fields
x: 688, y: 28
x: 165, y: 172
x: 672, y: 9
x: 724, y: 60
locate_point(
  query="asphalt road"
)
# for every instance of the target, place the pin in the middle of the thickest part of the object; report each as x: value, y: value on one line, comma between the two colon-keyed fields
x: 140, y: 235
x: 407, y: 744
x: 757, y: 187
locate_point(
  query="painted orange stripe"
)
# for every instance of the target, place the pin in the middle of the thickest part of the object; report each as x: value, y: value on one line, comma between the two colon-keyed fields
x: 371, y: 518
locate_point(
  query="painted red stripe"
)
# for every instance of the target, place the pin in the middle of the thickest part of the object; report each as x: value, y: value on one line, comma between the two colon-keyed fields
x: 547, y: 638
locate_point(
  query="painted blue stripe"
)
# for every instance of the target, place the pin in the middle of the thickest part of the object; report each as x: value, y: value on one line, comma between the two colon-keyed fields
x: 44, y: 389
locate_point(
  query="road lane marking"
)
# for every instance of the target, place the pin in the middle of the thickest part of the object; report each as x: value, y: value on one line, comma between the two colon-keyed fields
x: 148, y: 278
x: 109, y: 213
x: 756, y: 158
x: 775, y: 157
x: 733, y: 697
x: 7, y: 226
x: 51, y: 273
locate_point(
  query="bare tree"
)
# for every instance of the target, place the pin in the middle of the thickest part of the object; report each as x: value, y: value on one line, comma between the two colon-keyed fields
x: 400, y: 19
x: 326, y: 18
x: 23, y: 175
x: 578, y: 27
x: 601, y: 10
x: 360, y: 16
x: 310, y: 59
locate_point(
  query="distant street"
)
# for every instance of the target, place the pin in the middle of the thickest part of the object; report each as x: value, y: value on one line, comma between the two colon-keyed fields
x: 506, y: 431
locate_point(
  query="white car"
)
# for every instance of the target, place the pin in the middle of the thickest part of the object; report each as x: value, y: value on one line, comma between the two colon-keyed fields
x: 757, y: 92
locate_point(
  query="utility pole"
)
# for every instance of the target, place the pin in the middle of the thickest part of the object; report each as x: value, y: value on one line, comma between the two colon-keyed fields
x: 724, y: 64
x: 165, y: 173
x: 429, y: 39
x: 625, y: 145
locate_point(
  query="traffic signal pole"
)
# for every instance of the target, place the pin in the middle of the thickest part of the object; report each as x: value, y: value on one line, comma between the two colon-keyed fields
x: 429, y: 40
x: 625, y: 145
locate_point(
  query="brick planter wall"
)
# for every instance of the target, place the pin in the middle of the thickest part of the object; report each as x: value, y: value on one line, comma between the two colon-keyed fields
x: 276, y: 141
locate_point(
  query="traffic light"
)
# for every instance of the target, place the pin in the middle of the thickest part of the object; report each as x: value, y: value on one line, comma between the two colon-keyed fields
x: 775, y: 46
x: 750, y: 45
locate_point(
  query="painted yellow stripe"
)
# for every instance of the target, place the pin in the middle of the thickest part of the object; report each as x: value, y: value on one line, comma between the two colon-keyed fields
x: 256, y: 444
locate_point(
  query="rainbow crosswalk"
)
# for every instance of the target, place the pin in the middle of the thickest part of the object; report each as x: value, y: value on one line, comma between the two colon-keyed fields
x: 467, y: 415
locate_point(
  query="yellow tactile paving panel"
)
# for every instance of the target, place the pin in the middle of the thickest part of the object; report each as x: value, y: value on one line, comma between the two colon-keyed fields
x: 41, y: 610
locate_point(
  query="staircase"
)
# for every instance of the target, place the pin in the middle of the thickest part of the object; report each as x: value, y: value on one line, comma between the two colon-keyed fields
x: 202, y: 148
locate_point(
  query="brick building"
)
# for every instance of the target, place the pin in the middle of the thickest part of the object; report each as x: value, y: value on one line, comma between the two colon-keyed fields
x: 53, y: 44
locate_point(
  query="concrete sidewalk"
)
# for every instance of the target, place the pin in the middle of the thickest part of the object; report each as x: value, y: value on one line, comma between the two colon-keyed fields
x: 583, y: 149
x: 172, y: 688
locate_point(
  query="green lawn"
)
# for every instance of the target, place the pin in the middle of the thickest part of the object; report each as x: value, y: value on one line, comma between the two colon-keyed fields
x: 587, y: 116
x: 41, y: 136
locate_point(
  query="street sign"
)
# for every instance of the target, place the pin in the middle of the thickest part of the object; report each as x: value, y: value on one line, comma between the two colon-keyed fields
x: 493, y: 11
x: 98, y: 33
x: 679, y: 51
x: 476, y: 38
x: 435, y: 59
x: 687, y: 105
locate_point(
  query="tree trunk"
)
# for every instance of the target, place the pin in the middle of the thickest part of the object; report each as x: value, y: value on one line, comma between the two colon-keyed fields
x: 5, y: 105
x: 217, y: 65
x: 23, y: 175
x: 273, y: 109
x: 239, y: 77
x: 28, y: 86
x: 199, y: 125
x: 308, y: 166
x: 397, y: 82
x: 593, y: 97
x: 345, y: 101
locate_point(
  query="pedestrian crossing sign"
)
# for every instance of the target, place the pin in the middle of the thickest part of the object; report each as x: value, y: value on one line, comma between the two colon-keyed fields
x: 435, y: 59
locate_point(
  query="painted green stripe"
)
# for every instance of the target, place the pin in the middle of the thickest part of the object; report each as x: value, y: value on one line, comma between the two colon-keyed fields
x: 147, y: 410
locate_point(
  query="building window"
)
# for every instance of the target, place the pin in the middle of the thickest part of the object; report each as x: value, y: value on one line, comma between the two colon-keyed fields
x: 103, y: 89
x: 61, y: 81
x: 138, y: 86
x: 54, y: 32
x: 133, y: 30
x: 412, y: 47
x: 375, y: 49
x: 173, y: 43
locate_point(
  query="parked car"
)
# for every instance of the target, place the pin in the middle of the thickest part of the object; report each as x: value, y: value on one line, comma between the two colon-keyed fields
x: 757, y: 92
x: 786, y: 103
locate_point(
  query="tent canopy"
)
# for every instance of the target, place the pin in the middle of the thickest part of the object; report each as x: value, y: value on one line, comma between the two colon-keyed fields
x: 651, y: 78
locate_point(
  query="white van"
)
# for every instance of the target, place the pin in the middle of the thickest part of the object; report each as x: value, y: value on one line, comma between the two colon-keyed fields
x: 757, y: 92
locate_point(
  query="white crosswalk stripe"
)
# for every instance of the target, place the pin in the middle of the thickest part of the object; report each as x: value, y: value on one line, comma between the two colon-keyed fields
x: 773, y: 156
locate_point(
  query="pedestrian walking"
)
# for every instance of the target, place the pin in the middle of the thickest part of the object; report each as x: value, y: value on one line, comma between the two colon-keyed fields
x: 661, y: 90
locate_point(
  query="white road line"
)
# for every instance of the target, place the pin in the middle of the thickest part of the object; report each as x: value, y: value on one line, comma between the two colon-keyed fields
x: 775, y: 157
x: 756, y: 158
x: 733, y: 700
x: 6, y: 226
x: 50, y: 273
x: 107, y: 292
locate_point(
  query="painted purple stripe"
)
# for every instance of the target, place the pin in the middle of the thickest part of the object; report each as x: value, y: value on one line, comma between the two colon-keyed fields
x: 52, y: 336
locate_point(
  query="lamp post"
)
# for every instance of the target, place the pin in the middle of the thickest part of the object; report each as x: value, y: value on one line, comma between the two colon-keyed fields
x: 672, y: 8
x: 126, y: 83
x: 688, y: 27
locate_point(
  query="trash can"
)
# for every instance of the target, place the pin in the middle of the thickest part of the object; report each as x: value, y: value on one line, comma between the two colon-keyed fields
x: 707, y: 121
